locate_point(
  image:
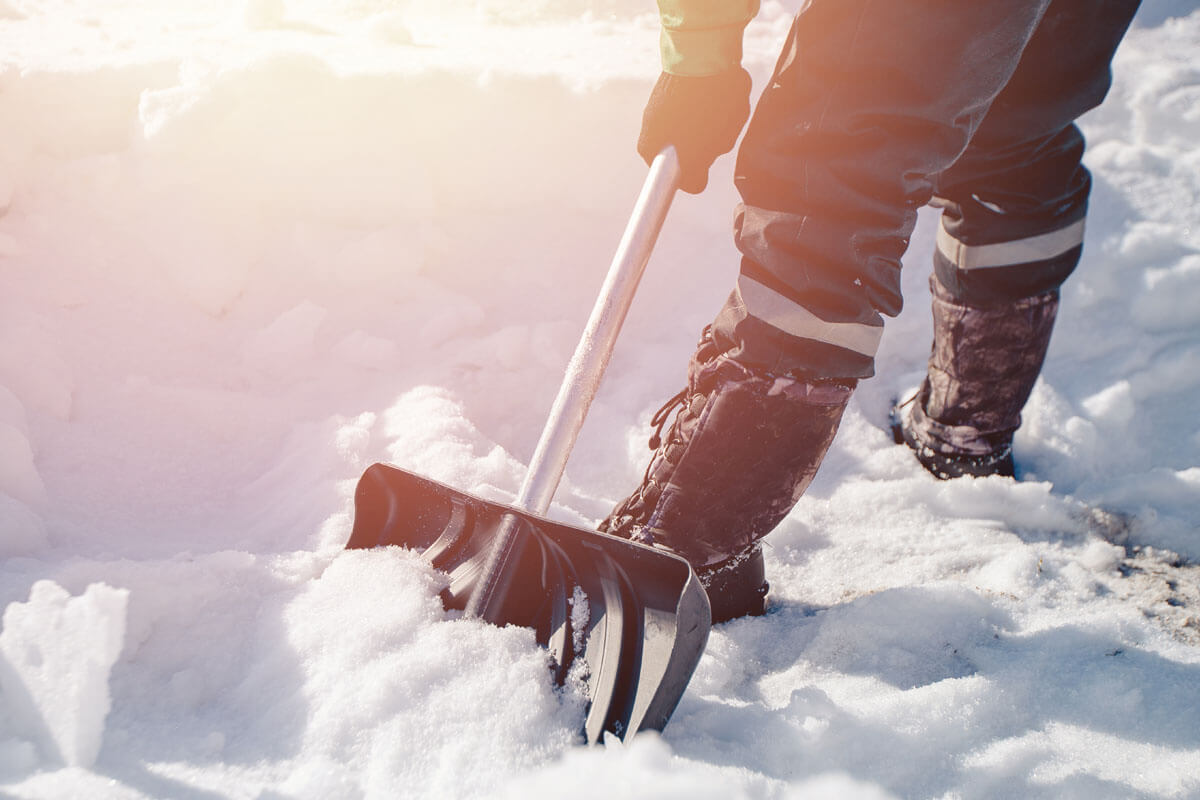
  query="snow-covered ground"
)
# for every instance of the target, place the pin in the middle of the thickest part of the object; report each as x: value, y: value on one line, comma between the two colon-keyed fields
x: 248, y: 248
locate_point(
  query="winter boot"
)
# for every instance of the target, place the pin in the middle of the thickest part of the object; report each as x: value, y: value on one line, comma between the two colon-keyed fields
x: 741, y: 450
x: 736, y: 587
x: 981, y: 371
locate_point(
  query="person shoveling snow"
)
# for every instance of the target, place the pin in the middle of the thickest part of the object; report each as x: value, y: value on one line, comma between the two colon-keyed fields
x: 874, y: 110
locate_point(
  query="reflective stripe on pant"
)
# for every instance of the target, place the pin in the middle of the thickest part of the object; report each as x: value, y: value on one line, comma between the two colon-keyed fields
x: 1014, y: 203
x: 871, y: 106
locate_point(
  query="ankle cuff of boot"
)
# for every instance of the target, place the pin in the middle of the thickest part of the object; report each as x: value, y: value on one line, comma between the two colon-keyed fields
x: 938, y: 455
x: 951, y: 440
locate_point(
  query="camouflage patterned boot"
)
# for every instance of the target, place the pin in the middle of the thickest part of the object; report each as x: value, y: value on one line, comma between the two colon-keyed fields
x: 741, y: 450
x: 981, y: 371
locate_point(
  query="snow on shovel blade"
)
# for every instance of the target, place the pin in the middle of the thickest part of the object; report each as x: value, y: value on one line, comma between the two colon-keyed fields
x: 629, y: 619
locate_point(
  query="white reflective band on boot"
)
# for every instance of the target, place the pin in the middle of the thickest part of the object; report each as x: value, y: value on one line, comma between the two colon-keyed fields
x: 1007, y: 254
x: 768, y: 305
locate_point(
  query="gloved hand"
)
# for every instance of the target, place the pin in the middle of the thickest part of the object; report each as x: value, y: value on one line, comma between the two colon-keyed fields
x: 701, y: 117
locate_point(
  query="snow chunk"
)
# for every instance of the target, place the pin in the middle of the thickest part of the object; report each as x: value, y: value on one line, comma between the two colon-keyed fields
x: 1015, y: 572
x: 353, y: 437
x: 1101, y: 556
x: 431, y: 435
x: 56, y: 654
x: 1113, y: 407
x: 581, y: 615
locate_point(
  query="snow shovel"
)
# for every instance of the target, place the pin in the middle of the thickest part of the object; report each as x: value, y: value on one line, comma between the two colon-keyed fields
x: 625, y: 621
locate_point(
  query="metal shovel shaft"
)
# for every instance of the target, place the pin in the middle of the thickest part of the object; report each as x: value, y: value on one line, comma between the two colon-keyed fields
x: 583, y: 375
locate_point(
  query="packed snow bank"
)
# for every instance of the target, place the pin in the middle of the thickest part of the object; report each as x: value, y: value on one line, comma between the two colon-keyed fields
x: 251, y: 248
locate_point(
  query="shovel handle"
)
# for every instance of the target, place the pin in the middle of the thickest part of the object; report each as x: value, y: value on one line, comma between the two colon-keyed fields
x: 595, y: 347
x: 582, y: 378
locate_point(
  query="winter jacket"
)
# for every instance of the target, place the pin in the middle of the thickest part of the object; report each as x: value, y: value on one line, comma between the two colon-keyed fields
x: 703, y: 37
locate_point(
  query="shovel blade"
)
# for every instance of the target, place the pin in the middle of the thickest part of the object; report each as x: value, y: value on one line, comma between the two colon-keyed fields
x: 630, y: 621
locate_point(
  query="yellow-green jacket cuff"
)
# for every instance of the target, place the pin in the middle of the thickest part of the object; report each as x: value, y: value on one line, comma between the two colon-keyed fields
x: 699, y: 53
x: 703, y: 37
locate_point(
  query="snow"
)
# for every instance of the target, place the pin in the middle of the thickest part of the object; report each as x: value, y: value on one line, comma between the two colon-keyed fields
x: 249, y: 248
x: 57, y: 653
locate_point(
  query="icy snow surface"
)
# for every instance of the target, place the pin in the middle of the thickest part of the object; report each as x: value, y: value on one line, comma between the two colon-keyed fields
x: 248, y: 248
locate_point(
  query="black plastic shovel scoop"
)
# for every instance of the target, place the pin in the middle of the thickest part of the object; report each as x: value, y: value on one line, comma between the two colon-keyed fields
x: 628, y: 621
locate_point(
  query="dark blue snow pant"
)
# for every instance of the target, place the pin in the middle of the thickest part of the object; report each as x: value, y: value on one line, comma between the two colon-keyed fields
x: 875, y: 108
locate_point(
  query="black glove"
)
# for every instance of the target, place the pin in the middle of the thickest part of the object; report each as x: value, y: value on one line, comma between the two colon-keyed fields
x: 701, y: 117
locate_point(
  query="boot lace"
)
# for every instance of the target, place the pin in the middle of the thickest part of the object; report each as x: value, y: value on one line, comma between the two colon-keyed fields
x: 659, y: 420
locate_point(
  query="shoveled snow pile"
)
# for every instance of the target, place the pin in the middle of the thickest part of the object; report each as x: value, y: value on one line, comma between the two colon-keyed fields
x: 249, y: 248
